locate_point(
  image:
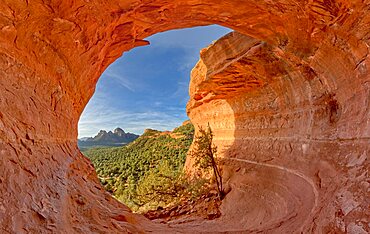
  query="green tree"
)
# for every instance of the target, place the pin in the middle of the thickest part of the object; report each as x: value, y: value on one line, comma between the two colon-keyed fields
x: 204, y: 153
x: 160, y: 186
x: 147, y: 173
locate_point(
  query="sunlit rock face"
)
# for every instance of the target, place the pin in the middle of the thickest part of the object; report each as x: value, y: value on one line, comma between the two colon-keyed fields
x: 287, y: 114
x: 294, y: 101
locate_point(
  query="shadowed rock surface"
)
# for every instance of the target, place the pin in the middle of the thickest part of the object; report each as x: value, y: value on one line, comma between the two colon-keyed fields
x: 289, y: 166
x: 289, y: 106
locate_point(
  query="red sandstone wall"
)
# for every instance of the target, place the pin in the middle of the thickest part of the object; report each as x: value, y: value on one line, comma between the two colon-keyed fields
x: 308, y: 109
x: 268, y: 110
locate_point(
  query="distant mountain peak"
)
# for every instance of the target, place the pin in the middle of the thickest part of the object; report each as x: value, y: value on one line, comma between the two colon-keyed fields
x: 103, y: 138
x: 119, y: 131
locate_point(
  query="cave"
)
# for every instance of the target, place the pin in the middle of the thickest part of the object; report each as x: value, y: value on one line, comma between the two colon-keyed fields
x: 287, y: 95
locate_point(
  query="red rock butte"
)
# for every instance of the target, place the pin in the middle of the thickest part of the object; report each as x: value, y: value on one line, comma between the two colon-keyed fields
x: 287, y: 95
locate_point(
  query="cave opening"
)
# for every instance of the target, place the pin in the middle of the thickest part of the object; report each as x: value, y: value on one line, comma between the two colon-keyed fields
x: 307, y: 125
x: 143, y: 97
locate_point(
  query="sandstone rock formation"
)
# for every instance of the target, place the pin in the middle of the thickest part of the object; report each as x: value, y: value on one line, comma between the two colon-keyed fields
x: 279, y: 128
x: 292, y: 104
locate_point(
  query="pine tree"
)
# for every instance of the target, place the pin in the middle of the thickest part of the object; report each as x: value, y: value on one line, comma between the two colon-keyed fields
x: 204, y: 152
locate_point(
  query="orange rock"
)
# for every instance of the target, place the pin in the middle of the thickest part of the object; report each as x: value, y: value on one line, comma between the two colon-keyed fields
x: 295, y: 100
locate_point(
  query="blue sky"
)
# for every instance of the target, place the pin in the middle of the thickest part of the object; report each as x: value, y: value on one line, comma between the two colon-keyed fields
x: 148, y: 86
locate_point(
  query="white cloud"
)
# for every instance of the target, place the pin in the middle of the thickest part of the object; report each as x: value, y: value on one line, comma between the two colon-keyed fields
x: 101, y: 116
x: 121, y: 80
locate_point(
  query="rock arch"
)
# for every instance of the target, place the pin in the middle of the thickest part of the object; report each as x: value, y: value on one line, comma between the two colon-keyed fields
x: 309, y: 111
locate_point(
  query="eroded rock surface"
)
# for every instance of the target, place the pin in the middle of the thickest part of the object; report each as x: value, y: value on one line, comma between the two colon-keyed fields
x: 294, y: 100
x: 291, y: 131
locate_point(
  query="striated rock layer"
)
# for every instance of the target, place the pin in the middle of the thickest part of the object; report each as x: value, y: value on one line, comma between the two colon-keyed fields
x: 289, y: 108
x: 295, y: 141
